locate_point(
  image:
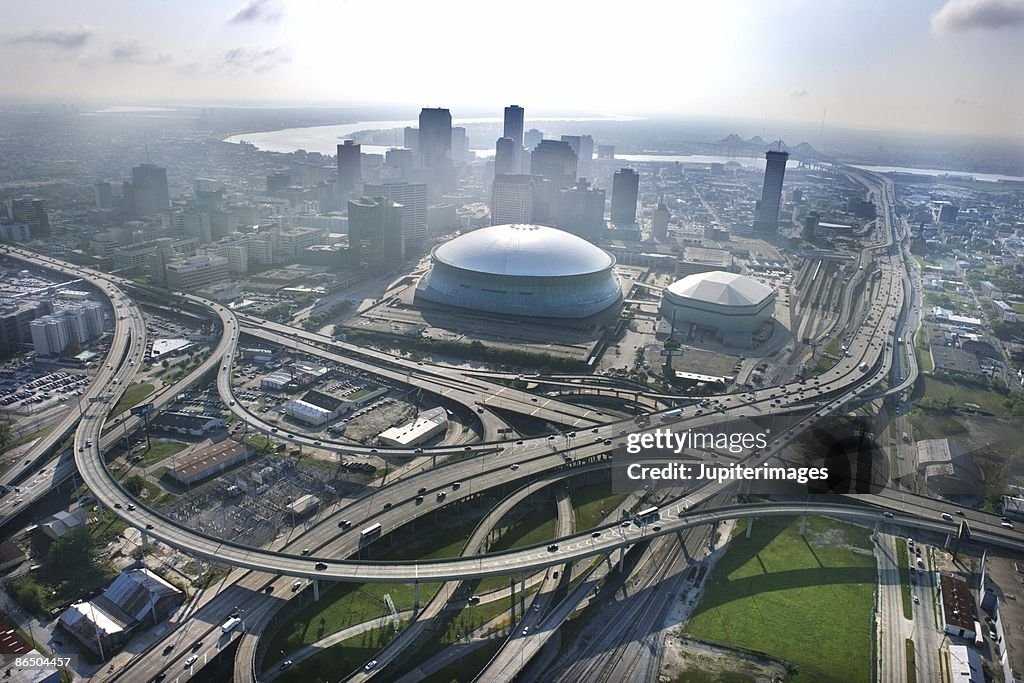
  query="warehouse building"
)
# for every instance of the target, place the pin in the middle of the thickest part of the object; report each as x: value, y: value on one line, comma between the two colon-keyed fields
x: 207, y: 462
x: 424, y: 427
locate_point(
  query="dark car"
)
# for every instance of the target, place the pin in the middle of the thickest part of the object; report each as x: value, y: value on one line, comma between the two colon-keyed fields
x: 320, y: 566
x: 553, y: 547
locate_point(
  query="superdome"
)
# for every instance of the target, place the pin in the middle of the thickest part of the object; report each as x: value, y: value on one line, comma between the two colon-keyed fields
x: 525, y: 251
x: 729, y: 306
x: 524, y: 270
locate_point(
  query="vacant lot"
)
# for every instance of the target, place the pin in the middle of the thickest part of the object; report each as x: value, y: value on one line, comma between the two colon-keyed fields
x: 804, y: 599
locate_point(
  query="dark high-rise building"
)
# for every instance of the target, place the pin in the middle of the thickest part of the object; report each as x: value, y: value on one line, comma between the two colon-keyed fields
x: 580, y: 210
x: 811, y: 225
x: 504, y: 157
x: 350, y: 167
x: 771, y: 192
x: 512, y: 199
x: 513, y: 130
x: 104, y: 195
x: 413, y: 197
x: 435, y: 143
x: 149, y: 190
x: 554, y: 160
x: 606, y: 151
x: 31, y: 212
x: 583, y: 145
x: 625, y: 188
x: 375, y: 241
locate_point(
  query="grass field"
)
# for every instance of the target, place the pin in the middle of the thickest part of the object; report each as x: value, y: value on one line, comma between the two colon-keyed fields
x: 536, y: 526
x: 132, y: 397
x: 159, y: 450
x: 903, y: 559
x: 588, y: 501
x: 942, y: 389
x: 911, y: 661
x: 338, y: 660
x: 465, y: 669
x: 807, y: 600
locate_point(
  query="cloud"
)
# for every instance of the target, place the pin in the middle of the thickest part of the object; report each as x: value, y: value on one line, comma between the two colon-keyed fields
x: 967, y: 15
x: 799, y: 93
x: 65, y: 39
x: 132, y: 53
x: 961, y: 102
x: 256, y: 59
x: 266, y: 11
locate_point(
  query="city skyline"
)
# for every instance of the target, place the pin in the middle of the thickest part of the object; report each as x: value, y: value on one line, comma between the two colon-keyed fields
x: 938, y: 67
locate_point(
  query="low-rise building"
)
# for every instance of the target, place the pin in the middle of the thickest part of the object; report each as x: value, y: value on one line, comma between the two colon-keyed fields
x: 188, y: 424
x: 209, y: 461
x: 424, y: 427
x: 956, y: 606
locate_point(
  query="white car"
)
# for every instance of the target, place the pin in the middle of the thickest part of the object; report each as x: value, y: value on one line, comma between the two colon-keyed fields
x: 370, y: 664
x: 191, y: 660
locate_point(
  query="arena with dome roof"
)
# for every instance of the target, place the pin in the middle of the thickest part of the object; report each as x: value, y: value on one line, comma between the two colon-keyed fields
x: 522, y: 270
x: 731, y: 306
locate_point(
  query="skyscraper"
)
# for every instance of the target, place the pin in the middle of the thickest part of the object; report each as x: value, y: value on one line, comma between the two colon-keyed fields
x: 149, y: 190
x: 413, y: 197
x: 659, y: 222
x: 401, y: 160
x: 104, y: 195
x: 625, y: 187
x: 504, y: 157
x: 771, y: 193
x: 375, y: 241
x: 512, y: 199
x: 554, y: 160
x: 350, y: 166
x: 580, y: 210
x: 532, y: 138
x: 411, y: 139
x: 435, y: 143
x: 32, y: 212
x: 460, y: 144
x: 514, y: 124
x: 583, y: 145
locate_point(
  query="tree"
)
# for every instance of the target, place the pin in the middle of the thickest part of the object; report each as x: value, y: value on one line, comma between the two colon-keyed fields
x: 6, y: 434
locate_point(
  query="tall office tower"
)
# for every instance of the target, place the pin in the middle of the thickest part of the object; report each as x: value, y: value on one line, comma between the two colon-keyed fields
x: 375, y: 241
x: 580, y: 210
x: 606, y: 151
x: 350, y: 167
x: 625, y: 187
x: 583, y: 145
x: 771, y: 192
x: 413, y: 197
x: 31, y: 212
x: 104, y: 195
x: 505, y: 157
x: 811, y: 225
x: 278, y: 183
x: 512, y: 199
x: 659, y: 222
x: 411, y: 140
x: 460, y: 144
x: 435, y: 137
x: 513, y: 130
x: 400, y: 160
x: 554, y: 160
x: 532, y: 138
x: 149, y: 190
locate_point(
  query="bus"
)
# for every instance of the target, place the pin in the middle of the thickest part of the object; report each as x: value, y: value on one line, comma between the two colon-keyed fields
x: 230, y: 625
x: 369, y: 534
x: 645, y: 517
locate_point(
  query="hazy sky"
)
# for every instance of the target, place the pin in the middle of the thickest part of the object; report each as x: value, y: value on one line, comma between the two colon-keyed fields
x: 948, y: 65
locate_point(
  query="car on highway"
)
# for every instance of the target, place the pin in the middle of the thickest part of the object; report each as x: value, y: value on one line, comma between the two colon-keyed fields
x: 1006, y: 525
x: 191, y: 660
x: 196, y: 645
x: 595, y: 534
x: 946, y: 516
x: 370, y: 665
x: 168, y: 648
x: 344, y: 524
x: 285, y: 664
x: 526, y: 629
x: 422, y: 490
x: 513, y: 466
x: 306, y: 551
x: 553, y: 548
x: 320, y: 566
x: 888, y: 515
x: 917, y: 600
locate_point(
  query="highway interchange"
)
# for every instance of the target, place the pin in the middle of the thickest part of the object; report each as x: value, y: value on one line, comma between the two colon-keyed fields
x: 870, y: 359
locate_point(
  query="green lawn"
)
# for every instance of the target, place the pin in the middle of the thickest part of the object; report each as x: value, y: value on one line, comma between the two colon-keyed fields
x: 536, y: 526
x: 132, y: 397
x: 588, y: 501
x: 38, y: 434
x: 159, y: 450
x: 807, y: 600
x: 337, y: 661
x: 903, y: 559
x: 465, y: 669
x: 911, y: 661
x: 942, y: 389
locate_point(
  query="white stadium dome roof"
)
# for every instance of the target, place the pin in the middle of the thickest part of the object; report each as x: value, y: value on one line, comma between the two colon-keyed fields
x: 525, y: 251
x: 721, y: 288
